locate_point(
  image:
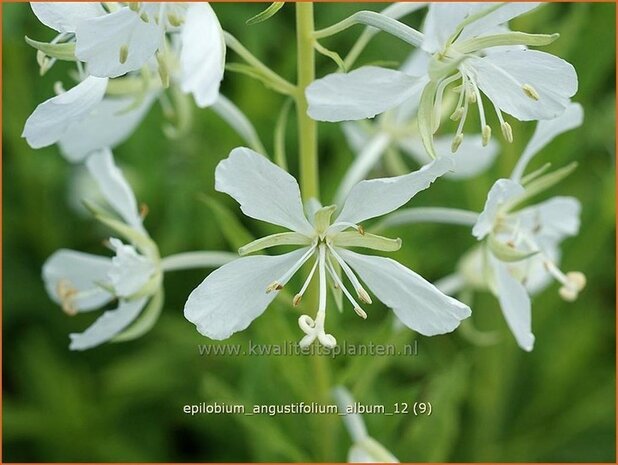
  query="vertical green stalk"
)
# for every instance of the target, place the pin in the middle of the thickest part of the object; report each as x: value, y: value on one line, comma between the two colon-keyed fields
x: 323, y: 425
x: 307, y: 128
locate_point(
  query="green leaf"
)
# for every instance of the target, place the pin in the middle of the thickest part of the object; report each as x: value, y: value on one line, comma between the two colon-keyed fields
x: 145, y: 321
x: 266, y: 14
x: 282, y: 121
x: 64, y: 51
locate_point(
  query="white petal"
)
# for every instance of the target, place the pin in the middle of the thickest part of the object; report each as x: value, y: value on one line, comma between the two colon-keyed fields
x: 415, y: 301
x: 502, y: 15
x: 555, y: 218
x: 108, y: 125
x: 108, y: 325
x: 64, y: 16
x: 470, y: 160
x: 501, y: 76
x: 500, y: 192
x: 52, y: 118
x: 417, y: 63
x: 130, y: 271
x: 515, y: 304
x: 440, y: 23
x: 99, y: 42
x: 377, y: 197
x: 545, y: 132
x: 70, y: 270
x: 202, y: 57
x: 231, y: 297
x: 263, y: 190
x: 114, y: 187
x: 370, y: 451
x: 362, y: 93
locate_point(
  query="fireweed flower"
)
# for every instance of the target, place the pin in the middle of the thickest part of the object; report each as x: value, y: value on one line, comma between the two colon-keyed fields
x: 365, y: 449
x: 471, y: 50
x: 82, y: 282
x: 520, y: 250
x: 113, y: 39
x: 396, y: 131
x: 82, y: 119
x: 230, y: 298
x: 101, y: 112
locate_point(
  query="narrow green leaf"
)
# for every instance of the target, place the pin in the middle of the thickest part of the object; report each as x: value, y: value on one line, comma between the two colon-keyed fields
x: 266, y: 14
x: 282, y: 121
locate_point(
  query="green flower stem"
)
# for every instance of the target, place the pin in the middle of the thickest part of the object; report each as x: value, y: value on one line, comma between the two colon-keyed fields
x: 264, y: 72
x: 187, y: 260
x: 323, y: 425
x: 307, y: 128
x: 377, y: 20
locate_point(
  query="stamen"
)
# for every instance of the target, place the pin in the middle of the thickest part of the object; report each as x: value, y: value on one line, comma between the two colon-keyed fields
x: 143, y: 211
x: 485, y: 129
x: 359, y: 311
x: 66, y: 294
x: 278, y: 284
x: 358, y: 227
x: 572, y: 282
x: 360, y: 291
x: 299, y: 296
x: 134, y: 6
x: 457, y: 140
x: 507, y: 130
x: 124, y: 54
x: 486, y: 135
x: 530, y: 91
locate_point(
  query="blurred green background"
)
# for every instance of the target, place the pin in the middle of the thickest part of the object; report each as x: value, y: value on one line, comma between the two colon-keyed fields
x: 123, y: 402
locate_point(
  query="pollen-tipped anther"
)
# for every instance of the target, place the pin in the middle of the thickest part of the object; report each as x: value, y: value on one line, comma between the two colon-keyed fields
x: 507, y: 131
x: 457, y: 140
x: 363, y: 296
x: 486, y: 135
x: 530, y: 91
x: 123, y: 54
x: 275, y: 286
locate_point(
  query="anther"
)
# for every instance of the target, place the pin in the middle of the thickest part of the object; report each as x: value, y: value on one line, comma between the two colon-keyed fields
x: 143, y: 211
x: 296, y: 300
x: 133, y: 6
x: 124, y: 54
x: 144, y: 17
x: 530, y: 91
x: 363, y: 296
x: 456, y: 116
x: 457, y: 140
x: 507, y: 131
x: 486, y: 135
x: 275, y: 286
x: 66, y: 293
x: 360, y: 312
x: 174, y: 20
x: 360, y: 230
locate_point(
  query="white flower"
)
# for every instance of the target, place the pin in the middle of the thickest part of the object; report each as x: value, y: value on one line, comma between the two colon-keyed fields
x: 466, y: 42
x: 183, y: 40
x: 230, y: 298
x: 82, y: 282
x: 364, y: 449
x: 82, y: 120
x: 397, y: 130
x: 521, y: 246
